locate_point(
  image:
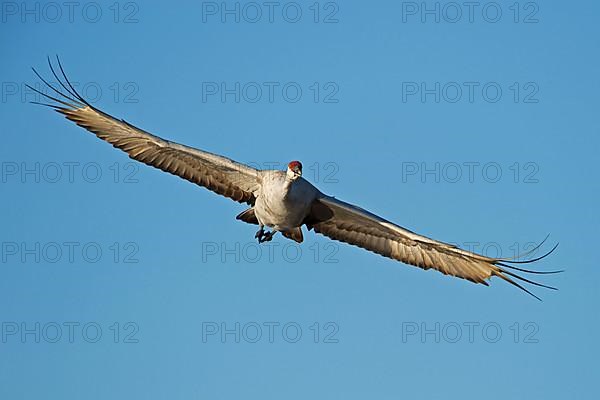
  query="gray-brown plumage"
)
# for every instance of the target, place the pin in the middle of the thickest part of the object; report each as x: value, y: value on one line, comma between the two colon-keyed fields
x: 282, y: 200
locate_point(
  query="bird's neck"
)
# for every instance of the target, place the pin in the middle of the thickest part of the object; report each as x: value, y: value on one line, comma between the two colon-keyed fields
x: 287, y: 185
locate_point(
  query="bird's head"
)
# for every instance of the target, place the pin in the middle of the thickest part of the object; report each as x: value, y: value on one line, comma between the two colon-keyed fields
x: 294, y: 170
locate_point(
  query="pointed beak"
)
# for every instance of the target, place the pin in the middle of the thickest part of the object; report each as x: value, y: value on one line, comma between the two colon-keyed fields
x: 294, y: 173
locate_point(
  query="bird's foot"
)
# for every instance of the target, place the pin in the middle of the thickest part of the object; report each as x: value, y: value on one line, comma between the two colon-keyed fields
x: 259, y: 235
x: 266, y: 237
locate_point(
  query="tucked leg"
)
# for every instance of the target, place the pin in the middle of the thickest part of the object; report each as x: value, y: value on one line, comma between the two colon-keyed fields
x: 267, y: 237
x: 260, y: 234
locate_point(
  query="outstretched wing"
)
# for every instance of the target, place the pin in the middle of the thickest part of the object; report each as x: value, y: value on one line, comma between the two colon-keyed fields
x: 223, y: 176
x: 351, y: 224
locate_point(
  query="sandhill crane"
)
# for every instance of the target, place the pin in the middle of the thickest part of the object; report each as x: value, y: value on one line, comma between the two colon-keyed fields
x: 282, y: 200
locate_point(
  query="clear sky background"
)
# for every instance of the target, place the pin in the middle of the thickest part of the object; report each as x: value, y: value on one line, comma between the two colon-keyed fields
x: 119, y: 280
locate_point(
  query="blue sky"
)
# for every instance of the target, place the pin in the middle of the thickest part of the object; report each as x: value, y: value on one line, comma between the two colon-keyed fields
x: 473, y: 126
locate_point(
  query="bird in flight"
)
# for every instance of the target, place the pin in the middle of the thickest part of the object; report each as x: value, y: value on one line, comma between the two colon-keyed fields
x: 282, y: 201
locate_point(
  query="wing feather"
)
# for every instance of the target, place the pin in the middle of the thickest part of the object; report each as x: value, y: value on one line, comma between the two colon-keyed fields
x: 353, y: 225
x: 219, y: 174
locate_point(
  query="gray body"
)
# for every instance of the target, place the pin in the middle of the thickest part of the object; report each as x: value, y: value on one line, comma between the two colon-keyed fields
x: 283, y: 202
